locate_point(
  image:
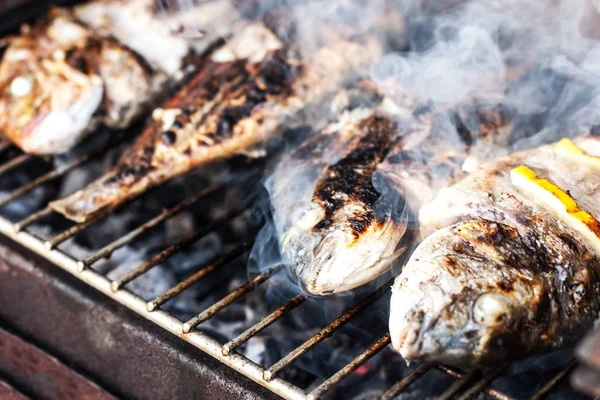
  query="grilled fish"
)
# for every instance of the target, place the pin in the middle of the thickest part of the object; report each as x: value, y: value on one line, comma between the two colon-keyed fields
x: 242, y: 96
x: 60, y: 78
x: 511, y: 265
x: 336, y: 230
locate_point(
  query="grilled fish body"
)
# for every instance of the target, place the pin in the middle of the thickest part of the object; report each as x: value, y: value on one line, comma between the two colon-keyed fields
x: 336, y: 230
x: 511, y: 266
x: 242, y: 96
x: 61, y: 77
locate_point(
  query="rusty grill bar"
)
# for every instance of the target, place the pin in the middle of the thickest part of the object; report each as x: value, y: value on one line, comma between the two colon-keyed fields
x: 466, y: 385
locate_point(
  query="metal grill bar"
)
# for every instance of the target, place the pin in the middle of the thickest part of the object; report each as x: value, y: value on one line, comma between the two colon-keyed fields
x: 350, y: 368
x: 547, y: 388
x: 107, y: 250
x: 230, y: 298
x: 483, y: 383
x: 264, y: 323
x: 33, y: 218
x: 180, y: 287
x: 58, y: 172
x: 169, y: 251
x: 324, y: 333
x: 69, y: 233
x: 405, y: 383
x: 15, y: 162
x: 493, y: 393
x: 459, y: 385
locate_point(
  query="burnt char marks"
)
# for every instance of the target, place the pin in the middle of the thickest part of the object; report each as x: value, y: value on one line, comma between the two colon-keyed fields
x: 138, y: 167
x: 477, y: 121
x: 271, y: 78
x: 350, y: 179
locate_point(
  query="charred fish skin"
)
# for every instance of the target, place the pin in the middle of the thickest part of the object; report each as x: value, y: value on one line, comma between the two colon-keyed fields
x: 235, y: 102
x: 502, y: 275
x: 344, y: 234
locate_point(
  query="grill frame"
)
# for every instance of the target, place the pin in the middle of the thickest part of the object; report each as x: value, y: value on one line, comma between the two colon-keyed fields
x: 466, y: 385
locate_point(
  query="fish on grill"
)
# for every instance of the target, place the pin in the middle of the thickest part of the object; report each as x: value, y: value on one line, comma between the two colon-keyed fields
x: 63, y: 76
x: 336, y: 230
x: 244, y: 94
x: 511, y: 265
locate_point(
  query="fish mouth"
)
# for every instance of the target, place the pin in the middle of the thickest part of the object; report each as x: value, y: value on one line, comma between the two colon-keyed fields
x: 338, y: 264
x: 422, y: 326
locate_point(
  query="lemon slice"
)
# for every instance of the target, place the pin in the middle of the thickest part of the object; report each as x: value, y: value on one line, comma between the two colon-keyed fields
x: 550, y: 196
x: 565, y: 148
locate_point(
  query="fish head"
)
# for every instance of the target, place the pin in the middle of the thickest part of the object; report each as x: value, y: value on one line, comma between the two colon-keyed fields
x: 334, y: 259
x: 462, y: 300
x: 49, y: 88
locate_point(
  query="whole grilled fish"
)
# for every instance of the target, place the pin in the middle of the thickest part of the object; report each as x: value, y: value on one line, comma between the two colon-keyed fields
x: 336, y: 230
x: 62, y: 77
x: 512, y: 264
x: 244, y: 94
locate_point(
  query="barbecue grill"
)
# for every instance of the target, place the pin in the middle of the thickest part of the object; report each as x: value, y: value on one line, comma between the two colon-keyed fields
x: 465, y: 385
x: 469, y: 385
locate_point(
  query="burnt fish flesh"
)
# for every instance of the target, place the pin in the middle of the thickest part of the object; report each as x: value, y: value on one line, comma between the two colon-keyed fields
x: 244, y: 93
x: 79, y: 67
x: 336, y: 230
x: 510, y: 265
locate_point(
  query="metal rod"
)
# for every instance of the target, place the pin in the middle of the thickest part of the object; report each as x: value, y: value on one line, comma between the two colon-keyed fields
x: 349, y: 368
x: 169, y: 251
x: 493, y: 393
x: 36, y: 216
x: 483, y: 383
x: 325, y: 332
x: 459, y: 385
x: 181, y: 286
x: 405, y: 383
x: 15, y: 162
x: 230, y: 298
x: 263, y: 323
x: 107, y: 250
x: 61, y: 170
x: 554, y: 381
x: 69, y: 233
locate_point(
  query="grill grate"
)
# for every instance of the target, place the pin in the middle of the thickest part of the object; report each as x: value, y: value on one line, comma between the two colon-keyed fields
x: 466, y: 385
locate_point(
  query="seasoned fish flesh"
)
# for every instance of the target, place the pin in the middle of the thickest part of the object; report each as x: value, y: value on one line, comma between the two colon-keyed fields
x: 336, y: 230
x: 235, y: 102
x: 511, y: 265
x: 60, y: 78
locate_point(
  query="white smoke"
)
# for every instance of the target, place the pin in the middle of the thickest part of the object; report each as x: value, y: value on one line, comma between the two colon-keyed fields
x: 539, y: 58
